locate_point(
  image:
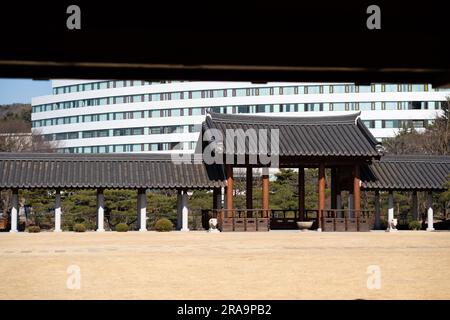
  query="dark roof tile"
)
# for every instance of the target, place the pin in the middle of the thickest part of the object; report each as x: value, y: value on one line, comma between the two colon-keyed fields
x: 50, y: 170
x: 406, y: 172
x: 340, y: 136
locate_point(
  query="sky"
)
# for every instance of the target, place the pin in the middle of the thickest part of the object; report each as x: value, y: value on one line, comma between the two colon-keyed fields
x: 22, y: 90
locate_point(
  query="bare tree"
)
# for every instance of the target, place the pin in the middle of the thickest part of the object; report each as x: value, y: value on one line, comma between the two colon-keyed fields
x: 434, y: 140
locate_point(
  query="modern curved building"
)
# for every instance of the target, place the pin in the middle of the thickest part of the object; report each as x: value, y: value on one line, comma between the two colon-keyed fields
x: 103, y: 116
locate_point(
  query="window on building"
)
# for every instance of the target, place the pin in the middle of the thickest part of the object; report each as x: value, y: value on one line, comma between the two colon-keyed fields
x: 72, y: 135
x: 418, y: 123
x: 417, y: 87
x: 339, y: 106
x: 313, y: 89
x: 338, y: 88
x: 369, y: 124
x: 243, y: 109
x: 365, y: 106
x: 155, y: 130
x: 365, y: 89
x: 390, y: 88
x: 390, y: 106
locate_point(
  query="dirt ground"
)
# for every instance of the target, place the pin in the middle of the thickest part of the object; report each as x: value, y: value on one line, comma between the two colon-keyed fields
x: 200, y: 265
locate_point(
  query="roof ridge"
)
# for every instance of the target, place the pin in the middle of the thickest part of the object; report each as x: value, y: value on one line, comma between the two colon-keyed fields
x: 287, y: 120
x: 416, y: 158
x: 90, y: 157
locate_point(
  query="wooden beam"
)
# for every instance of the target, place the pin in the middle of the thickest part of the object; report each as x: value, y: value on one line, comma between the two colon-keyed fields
x: 229, y: 199
x: 265, y: 193
x: 249, y: 187
x: 301, y: 193
x: 321, y: 193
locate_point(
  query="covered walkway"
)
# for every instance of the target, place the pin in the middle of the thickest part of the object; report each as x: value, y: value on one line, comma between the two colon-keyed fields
x: 139, y: 172
x: 408, y: 173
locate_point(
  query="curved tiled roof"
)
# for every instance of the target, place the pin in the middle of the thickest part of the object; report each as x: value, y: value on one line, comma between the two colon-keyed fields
x: 338, y: 136
x: 406, y: 172
x: 53, y: 170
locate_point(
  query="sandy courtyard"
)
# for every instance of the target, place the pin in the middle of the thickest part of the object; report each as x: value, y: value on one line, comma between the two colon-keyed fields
x: 198, y: 265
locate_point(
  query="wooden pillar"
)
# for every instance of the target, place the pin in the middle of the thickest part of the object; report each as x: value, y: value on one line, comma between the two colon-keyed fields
x: 321, y: 195
x: 377, y: 210
x: 333, y: 188
x: 217, y: 199
x: 301, y: 193
x: 414, y: 208
x: 356, y: 191
x: 356, y: 195
x: 249, y: 187
x: 179, y: 214
x: 229, y: 199
x: 265, y: 191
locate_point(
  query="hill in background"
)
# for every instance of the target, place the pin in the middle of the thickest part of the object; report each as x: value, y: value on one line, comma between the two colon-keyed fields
x: 15, y: 118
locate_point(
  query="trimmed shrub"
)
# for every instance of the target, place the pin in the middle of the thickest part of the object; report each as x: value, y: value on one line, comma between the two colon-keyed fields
x: 122, y: 227
x: 45, y: 225
x: 79, y: 227
x: 415, y: 225
x: 34, y: 229
x: 163, y: 225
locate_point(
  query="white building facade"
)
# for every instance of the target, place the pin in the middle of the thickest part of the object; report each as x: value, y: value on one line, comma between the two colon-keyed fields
x: 102, y: 116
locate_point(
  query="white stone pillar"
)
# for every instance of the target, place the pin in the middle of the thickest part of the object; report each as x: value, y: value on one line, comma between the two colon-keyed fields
x: 179, y: 213
x: 58, y: 210
x: 414, y: 208
x: 100, y: 210
x: 184, y: 211
x: 142, y: 210
x: 390, y: 210
x: 377, y: 210
x: 222, y: 197
x: 430, y: 211
x: 14, y: 210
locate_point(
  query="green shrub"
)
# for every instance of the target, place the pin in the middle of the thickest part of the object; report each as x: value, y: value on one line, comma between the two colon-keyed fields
x: 122, y: 227
x: 79, y: 227
x: 415, y: 225
x: 34, y: 229
x: 45, y: 225
x: 163, y: 224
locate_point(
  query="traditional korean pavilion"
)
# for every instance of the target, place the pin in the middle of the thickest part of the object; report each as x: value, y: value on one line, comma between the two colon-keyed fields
x: 341, y: 145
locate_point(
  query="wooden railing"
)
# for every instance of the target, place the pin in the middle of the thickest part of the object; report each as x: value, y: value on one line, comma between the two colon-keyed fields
x: 263, y: 220
x: 347, y: 220
x: 238, y: 219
